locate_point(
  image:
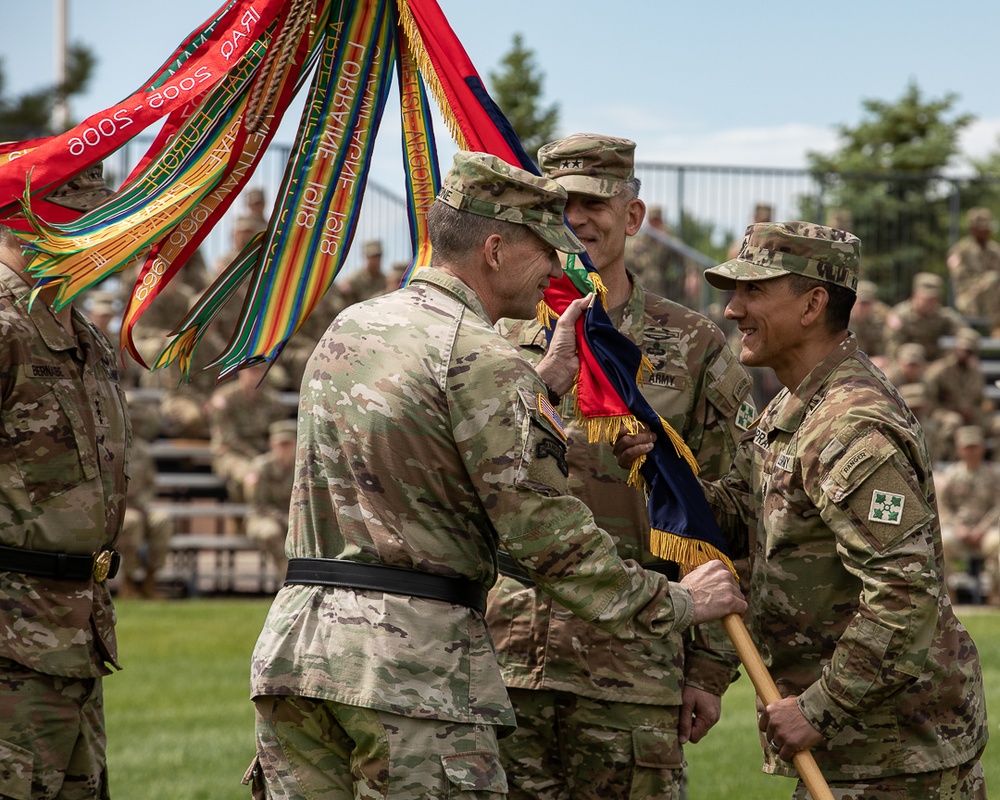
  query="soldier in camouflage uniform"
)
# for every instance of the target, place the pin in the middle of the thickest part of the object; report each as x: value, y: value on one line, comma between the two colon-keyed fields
x: 847, y: 601
x: 956, y: 382
x: 970, y: 509
x: 656, y: 266
x: 974, y: 264
x: 868, y: 322
x: 268, y: 490
x: 369, y: 281
x: 241, y: 412
x: 425, y: 442
x: 617, y: 706
x: 922, y: 319
x: 144, y: 528
x: 63, y: 481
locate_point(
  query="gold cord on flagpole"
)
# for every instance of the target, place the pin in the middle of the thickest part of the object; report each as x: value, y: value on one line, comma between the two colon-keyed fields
x: 280, y: 55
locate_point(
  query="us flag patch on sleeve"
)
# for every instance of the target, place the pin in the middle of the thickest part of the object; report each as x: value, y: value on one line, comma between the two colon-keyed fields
x: 546, y: 410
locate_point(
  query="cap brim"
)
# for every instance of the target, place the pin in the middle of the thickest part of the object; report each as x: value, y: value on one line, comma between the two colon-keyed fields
x: 585, y: 184
x: 560, y: 237
x: 727, y: 275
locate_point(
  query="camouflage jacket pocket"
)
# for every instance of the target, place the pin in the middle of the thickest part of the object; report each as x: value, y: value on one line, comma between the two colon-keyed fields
x: 46, y: 438
x: 15, y: 772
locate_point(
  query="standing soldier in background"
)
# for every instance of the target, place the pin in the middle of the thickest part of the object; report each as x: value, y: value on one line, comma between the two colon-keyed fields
x: 651, y: 260
x: 974, y: 264
x: 256, y: 205
x: 762, y: 212
x: 595, y: 711
x: 63, y: 483
x: 369, y: 281
x: 425, y: 442
x: 956, y: 382
x: 868, y: 321
x: 146, y: 532
x: 922, y: 319
x: 241, y: 412
x: 970, y: 511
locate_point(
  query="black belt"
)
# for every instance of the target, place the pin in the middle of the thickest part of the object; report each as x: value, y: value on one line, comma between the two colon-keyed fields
x: 61, y: 566
x: 383, y: 578
x: 512, y: 569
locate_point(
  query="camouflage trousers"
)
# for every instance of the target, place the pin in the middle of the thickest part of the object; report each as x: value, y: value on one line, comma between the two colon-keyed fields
x: 52, y: 738
x: 964, y: 782
x: 567, y: 746
x: 320, y: 750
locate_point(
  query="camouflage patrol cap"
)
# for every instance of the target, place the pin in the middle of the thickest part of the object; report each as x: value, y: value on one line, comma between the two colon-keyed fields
x: 927, y: 283
x: 773, y: 249
x: 867, y: 292
x: 282, y: 430
x: 911, y: 353
x: 373, y: 247
x: 763, y: 212
x: 588, y: 163
x: 487, y: 186
x: 968, y: 435
x: 914, y: 394
x: 967, y: 339
x: 979, y: 219
x: 255, y: 195
x: 84, y: 192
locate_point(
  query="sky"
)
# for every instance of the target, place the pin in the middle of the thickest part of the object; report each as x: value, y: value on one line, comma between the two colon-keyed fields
x: 714, y: 82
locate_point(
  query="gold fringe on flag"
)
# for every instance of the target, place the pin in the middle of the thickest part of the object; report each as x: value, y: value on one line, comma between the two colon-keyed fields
x: 600, y: 289
x: 545, y: 315
x: 644, y: 371
x: 680, y: 446
x: 689, y: 553
x: 635, y: 478
x: 431, y: 79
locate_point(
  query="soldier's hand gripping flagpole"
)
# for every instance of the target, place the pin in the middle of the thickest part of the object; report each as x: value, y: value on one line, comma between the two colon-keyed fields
x: 767, y: 691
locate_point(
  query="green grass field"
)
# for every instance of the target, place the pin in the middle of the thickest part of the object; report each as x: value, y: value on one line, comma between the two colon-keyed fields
x: 180, y: 723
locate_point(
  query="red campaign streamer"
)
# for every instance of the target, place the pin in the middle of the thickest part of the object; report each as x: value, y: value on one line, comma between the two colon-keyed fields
x: 203, y: 218
x: 101, y: 134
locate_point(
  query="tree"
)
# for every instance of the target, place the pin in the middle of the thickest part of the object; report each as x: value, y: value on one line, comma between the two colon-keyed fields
x: 517, y: 89
x: 29, y: 116
x: 887, y: 173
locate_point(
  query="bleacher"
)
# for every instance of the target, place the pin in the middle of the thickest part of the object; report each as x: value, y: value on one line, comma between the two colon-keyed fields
x: 209, y: 553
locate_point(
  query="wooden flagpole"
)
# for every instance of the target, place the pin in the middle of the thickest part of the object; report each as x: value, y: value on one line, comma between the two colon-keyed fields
x: 767, y: 690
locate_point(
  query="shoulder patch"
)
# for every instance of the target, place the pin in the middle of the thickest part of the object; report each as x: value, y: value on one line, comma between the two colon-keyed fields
x: 855, y: 462
x: 546, y: 409
x: 746, y: 414
x: 886, y: 507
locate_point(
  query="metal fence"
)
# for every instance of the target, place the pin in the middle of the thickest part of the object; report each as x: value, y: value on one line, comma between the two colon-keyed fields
x: 906, y: 222
x: 383, y: 213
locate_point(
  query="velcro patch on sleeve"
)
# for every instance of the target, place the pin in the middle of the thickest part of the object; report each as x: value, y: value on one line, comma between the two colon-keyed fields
x: 855, y: 463
x: 547, y: 411
x: 886, y: 507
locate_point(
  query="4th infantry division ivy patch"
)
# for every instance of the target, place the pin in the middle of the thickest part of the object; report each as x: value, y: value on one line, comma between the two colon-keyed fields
x: 886, y: 507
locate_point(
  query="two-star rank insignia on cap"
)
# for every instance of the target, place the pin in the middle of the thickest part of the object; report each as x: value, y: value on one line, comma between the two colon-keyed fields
x: 886, y: 507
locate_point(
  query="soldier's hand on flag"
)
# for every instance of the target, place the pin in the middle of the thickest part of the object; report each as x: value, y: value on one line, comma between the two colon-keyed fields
x: 714, y: 592
x: 561, y: 363
x: 628, y: 447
